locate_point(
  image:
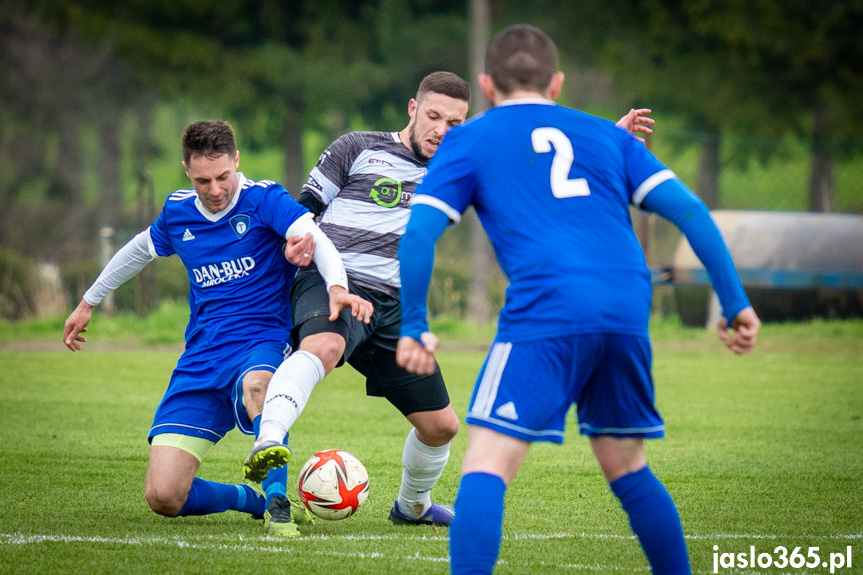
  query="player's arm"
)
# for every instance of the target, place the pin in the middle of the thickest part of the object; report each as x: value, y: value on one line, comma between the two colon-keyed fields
x: 330, y: 266
x: 330, y: 174
x: 672, y: 200
x: 325, y: 182
x: 125, y: 265
x: 417, y: 344
x: 312, y: 202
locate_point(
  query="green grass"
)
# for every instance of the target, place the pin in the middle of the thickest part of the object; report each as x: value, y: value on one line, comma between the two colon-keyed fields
x: 762, y: 450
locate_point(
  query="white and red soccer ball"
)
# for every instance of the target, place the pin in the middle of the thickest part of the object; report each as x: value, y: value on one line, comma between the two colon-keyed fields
x: 333, y: 484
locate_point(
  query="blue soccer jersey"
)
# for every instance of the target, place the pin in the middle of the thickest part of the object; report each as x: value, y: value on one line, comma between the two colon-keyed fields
x: 238, y: 275
x: 581, y: 271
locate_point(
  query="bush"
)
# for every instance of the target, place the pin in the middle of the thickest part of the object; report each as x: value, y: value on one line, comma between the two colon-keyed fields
x: 19, y: 284
x: 170, y: 275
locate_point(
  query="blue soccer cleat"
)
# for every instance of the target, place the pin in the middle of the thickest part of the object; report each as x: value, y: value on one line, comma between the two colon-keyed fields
x: 436, y: 515
x: 265, y: 456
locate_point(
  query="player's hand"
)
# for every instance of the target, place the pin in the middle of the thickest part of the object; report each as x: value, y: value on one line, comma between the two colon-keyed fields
x: 300, y: 251
x: 342, y: 298
x: 418, y: 357
x: 744, y: 331
x: 637, y: 121
x: 76, y: 324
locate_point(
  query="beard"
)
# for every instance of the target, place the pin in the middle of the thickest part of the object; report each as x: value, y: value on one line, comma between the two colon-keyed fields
x: 415, y: 144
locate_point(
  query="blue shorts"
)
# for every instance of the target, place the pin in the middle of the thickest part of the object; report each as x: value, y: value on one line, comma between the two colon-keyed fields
x: 526, y: 389
x: 205, y: 395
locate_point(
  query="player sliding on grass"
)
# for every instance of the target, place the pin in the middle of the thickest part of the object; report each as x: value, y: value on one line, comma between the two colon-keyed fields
x: 362, y: 185
x: 552, y: 187
x: 229, y: 231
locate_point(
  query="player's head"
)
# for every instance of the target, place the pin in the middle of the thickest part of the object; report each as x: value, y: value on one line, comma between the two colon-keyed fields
x: 211, y: 159
x: 442, y: 101
x: 522, y: 58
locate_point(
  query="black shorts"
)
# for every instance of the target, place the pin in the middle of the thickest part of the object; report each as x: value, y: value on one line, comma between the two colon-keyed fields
x: 369, y: 348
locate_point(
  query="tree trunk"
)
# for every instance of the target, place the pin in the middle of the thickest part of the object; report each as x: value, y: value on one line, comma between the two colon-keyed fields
x: 147, y: 282
x: 821, y: 181
x: 292, y: 138
x: 110, y: 193
x: 482, y: 258
x: 68, y: 180
x: 707, y: 185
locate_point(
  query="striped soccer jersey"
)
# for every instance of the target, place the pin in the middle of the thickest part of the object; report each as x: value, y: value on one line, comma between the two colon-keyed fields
x: 365, y: 181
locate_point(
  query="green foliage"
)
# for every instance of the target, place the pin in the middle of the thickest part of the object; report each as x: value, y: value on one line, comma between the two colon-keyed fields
x: 759, y: 451
x: 172, y: 280
x: 18, y: 284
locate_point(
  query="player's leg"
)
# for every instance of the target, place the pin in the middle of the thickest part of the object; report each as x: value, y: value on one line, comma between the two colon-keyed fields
x: 277, y: 517
x: 321, y: 348
x: 652, y: 514
x: 292, y: 384
x: 172, y: 489
x: 424, y: 458
x: 194, y: 414
x: 255, y: 374
x: 424, y: 401
x: 616, y: 410
x: 490, y: 463
x: 522, y: 396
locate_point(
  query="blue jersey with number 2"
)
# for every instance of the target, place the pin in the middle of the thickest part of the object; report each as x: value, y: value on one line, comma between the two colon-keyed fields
x: 552, y: 187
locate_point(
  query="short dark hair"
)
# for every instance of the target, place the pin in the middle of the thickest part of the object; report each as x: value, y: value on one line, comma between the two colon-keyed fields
x: 208, y: 138
x: 521, y: 57
x: 445, y: 83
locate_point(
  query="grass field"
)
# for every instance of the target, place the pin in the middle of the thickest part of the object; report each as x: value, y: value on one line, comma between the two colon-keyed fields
x: 764, y: 451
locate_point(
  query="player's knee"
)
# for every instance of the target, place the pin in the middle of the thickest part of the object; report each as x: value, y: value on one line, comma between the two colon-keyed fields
x: 449, y: 428
x: 439, y: 430
x: 328, y: 347
x: 167, y: 502
x: 255, y: 383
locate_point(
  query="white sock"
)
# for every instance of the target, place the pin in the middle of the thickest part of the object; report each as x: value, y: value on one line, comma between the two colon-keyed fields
x: 288, y: 393
x: 422, y: 466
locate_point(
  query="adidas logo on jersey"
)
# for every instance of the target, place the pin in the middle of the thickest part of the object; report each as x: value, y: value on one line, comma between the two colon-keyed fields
x: 187, y: 236
x: 507, y: 411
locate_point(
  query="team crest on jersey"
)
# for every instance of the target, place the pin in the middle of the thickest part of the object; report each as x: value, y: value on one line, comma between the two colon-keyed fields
x: 386, y: 192
x: 241, y: 225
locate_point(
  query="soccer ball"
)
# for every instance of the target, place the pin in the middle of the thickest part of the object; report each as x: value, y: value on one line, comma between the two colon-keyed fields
x: 333, y: 484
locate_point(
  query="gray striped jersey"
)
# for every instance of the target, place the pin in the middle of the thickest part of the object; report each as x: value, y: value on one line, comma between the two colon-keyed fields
x: 364, y: 182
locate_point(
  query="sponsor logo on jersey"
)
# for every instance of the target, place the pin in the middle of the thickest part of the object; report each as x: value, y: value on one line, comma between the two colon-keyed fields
x: 313, y: 183
x: 507, y: 411
x: 223, y: 272
x: 240, y: 224
x: 187, y: 236
x: 387, y: 192
x: 380, y: 162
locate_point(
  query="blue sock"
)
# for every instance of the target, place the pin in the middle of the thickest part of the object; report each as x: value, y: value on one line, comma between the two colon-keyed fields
x: 207, y: 497
x: 654, y: 520
x: 475, y: 533
x: 276, y: 483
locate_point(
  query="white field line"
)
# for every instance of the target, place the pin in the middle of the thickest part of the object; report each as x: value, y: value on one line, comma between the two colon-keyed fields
x: 21, y: 539
x: 259, y: 544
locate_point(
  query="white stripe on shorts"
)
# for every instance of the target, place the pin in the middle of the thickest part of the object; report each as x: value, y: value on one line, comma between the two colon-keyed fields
x: 487, y: 392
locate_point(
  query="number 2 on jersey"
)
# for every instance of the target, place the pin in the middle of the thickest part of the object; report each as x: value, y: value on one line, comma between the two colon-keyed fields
x: 561, y: 184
